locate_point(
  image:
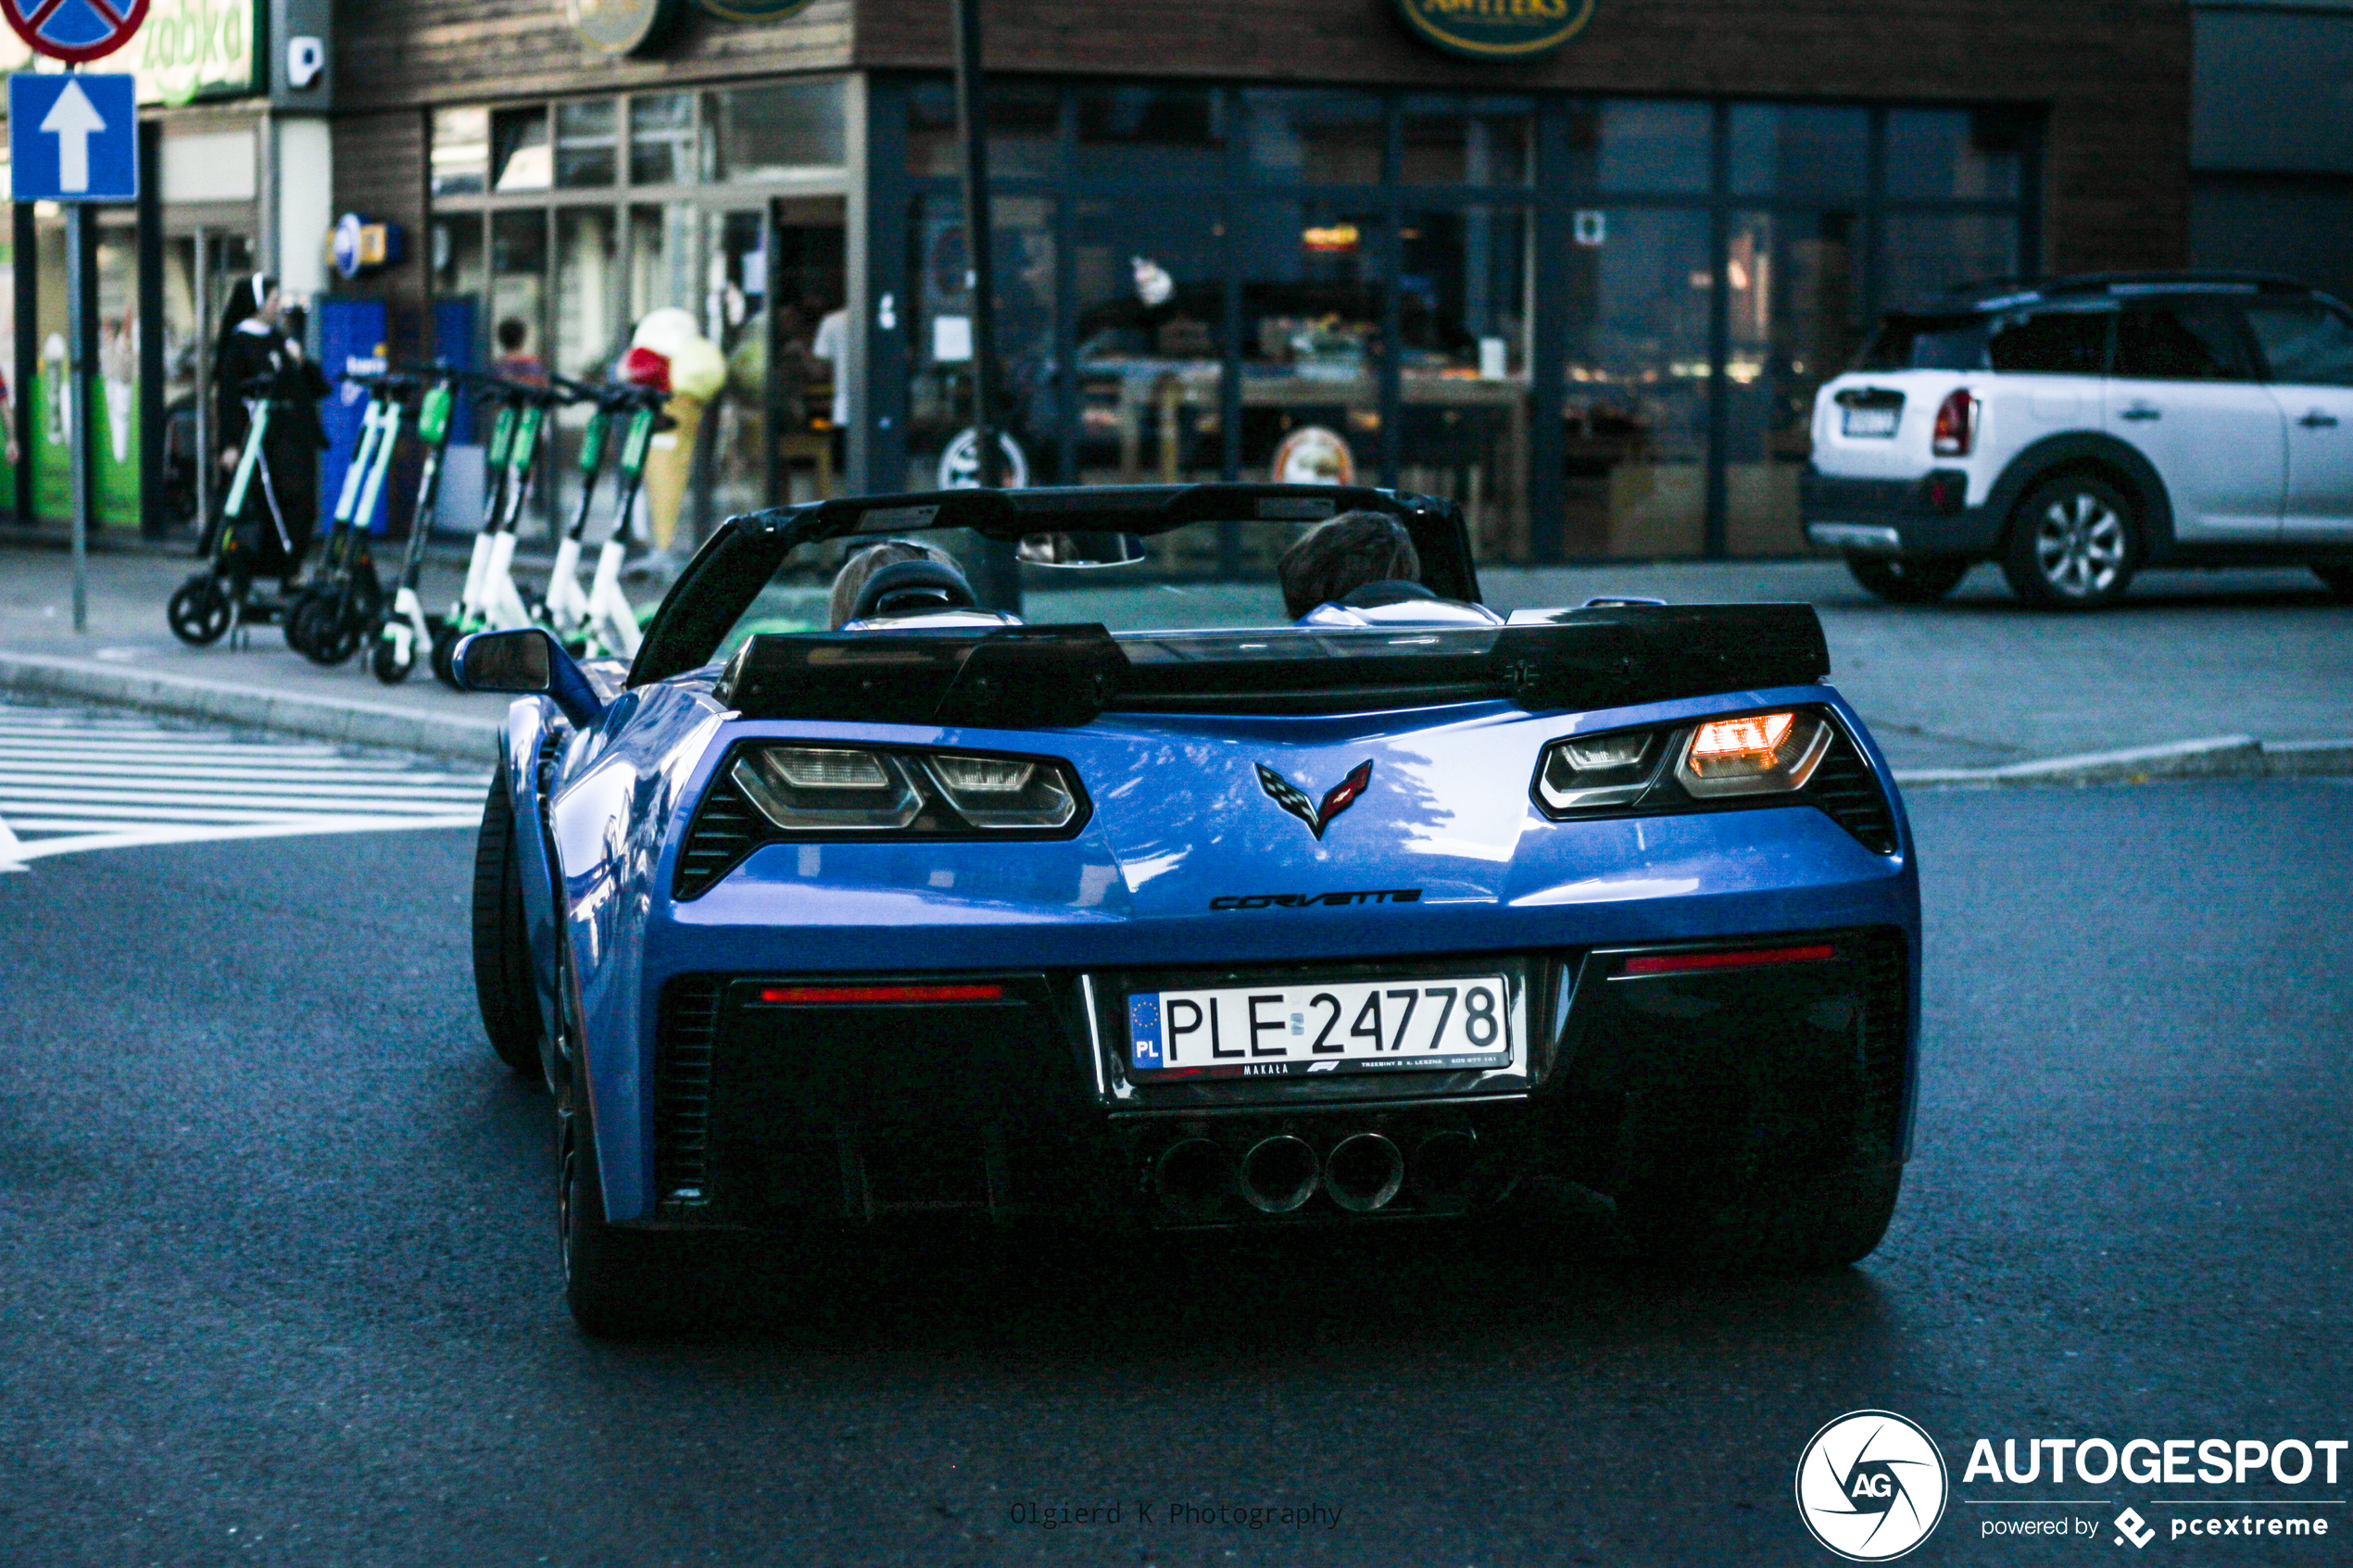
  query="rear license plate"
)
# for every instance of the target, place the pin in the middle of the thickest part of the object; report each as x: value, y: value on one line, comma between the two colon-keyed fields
x: 1353, y: 1026
x: 1869, y: 421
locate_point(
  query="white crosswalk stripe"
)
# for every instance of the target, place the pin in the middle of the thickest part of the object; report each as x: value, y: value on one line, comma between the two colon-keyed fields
x: 80, y: 779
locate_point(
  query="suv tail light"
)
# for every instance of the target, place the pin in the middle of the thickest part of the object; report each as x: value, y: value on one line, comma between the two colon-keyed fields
x: 1955, y: 431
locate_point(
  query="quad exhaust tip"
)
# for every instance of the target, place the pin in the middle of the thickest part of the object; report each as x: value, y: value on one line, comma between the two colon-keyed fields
x: 1279, y: 1175
x: 1364, y: 1172
x: 1192, y: 1177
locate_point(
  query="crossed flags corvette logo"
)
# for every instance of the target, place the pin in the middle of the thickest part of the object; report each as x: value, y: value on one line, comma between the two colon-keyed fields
x: 1343, y: 795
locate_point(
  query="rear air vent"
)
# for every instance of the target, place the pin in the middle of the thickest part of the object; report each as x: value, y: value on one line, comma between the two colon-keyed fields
x: 1844, y: 786
x: 724, y: 831
x: 682, y: 1093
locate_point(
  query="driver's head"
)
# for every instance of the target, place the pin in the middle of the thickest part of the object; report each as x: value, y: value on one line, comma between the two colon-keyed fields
x: 850, y: 581
x: 1340, y: 557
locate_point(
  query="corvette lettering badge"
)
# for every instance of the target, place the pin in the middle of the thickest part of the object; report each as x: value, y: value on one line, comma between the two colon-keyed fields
x: 1287, y: 796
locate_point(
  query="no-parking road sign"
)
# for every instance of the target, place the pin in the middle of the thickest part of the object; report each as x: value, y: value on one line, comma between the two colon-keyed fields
x: 74, y: 31
x: 74, y: 138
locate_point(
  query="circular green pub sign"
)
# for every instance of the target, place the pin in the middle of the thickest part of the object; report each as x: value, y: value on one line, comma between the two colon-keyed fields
x: 620, y: 27
x: 752, y: 10
x: 1496, y: 30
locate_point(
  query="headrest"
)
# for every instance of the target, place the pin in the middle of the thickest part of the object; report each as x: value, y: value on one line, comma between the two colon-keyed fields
x: 1387, y: 591
x: 912, y: 586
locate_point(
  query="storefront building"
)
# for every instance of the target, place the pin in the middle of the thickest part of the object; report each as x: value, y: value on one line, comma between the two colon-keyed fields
x: 1587, y: 289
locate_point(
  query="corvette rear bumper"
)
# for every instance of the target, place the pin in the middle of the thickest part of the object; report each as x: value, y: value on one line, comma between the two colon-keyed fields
x: 1010, y: 1099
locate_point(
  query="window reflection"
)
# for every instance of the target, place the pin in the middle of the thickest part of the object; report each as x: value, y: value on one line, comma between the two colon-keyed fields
x: 1952, y: 153
x: 1800, y: 150
x: 460, y: 151
x: 520, y: 159
x: 1148, y: 313
x: 1313, y: 294
x: 1635, y: 405
x: 940, y: 391
x: 586, y: 131
x: 1795, y: 297
x: 662, y: 139
x: 1634, y: 145
x: 776, y: 132
x: 1149, y: 134
x: 1462, y: 292
x: 1312, y: 137
x: 1448, y: 140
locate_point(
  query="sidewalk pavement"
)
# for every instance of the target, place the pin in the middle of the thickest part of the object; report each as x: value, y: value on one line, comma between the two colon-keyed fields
x: 2197, y: 672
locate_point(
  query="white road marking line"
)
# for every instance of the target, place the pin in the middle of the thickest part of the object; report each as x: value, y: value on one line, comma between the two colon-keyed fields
x: 42, y: 848
x: 78, y: 781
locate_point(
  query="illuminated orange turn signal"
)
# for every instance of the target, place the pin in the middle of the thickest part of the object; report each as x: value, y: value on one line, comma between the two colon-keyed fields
x: 1755, y: 753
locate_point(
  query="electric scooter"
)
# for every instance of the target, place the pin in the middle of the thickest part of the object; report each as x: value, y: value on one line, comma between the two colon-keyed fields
x: 601, y: 623
x: 403, y: 628
x: 331, y: 615
x: 488, y: 393
x: 220, y: 600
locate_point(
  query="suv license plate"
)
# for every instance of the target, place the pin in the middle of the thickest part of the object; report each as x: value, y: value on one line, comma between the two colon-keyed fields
x: 1869, y: 421
x: 1351, y: 1026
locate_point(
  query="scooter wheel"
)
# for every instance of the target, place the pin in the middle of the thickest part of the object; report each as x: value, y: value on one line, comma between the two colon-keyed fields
x: 300, y: 618
x: 310, y: 629
x: 388, y: 663
x: 445, y: 646
x: 200, y: 611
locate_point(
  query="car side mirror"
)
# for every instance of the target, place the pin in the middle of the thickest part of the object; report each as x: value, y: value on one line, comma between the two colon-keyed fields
x: 526, y: 660
x: 1086, y: 549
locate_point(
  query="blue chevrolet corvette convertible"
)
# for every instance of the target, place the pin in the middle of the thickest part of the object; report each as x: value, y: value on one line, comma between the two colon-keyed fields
x: 1369, y: 918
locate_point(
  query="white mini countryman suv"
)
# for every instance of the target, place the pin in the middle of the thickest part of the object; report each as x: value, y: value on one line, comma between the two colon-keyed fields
x: 2076, y: 431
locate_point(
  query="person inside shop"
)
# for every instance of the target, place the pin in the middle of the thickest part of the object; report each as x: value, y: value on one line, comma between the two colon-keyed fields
x: 257, y: 351
x: 515, y: 361
x: 1361, y: 569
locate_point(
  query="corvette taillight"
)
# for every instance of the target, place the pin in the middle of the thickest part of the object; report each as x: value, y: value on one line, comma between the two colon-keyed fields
x: 1955, y: 435
x: 1756, y: 754
x: 825, y: 790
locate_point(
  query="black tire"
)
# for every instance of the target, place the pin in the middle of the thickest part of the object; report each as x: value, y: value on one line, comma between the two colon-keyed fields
x: 619, y: 1282
x: 503, y: 983
x: 311, y: 629
x: 386, y: 663
x: 1786, y: 1225
x: 445, y: 645
x: 1909, y: 580
x: 2338, y: 578
x: 200, y: 611
x: 2074, y: 542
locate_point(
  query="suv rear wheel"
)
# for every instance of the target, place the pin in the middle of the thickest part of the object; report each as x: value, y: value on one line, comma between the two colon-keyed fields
x: 2074, y: 543
x: 2338, y: 578
x: 1909, y: 580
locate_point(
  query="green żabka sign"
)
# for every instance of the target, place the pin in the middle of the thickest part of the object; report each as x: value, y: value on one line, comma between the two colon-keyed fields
x: 186, y: 50
x: 1496, y: 30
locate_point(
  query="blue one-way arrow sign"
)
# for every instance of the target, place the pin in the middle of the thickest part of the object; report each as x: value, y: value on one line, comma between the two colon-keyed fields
x: 74, y: 138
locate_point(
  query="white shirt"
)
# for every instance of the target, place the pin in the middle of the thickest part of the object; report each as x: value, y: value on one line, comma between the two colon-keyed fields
x: 833, y: 346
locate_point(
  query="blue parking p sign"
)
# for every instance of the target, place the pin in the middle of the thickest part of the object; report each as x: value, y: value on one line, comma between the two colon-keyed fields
x: 73, y: 138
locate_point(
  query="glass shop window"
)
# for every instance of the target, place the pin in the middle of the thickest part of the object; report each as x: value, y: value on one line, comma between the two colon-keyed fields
x: 520, y: 159
x: 775, y: 132
x: 1639, y: 144
x: 1800, y: 150
x: 1024, y: 131
x: 460, y: 151
x: 1946, y: 155
x: 662, y: 139
x: 1312, y: 136
x: 587, y: 132
x: 1450, y: 140
x: 1149, y: 135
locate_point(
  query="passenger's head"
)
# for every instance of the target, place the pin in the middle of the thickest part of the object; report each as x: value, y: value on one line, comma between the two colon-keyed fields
x: 851, y: 580
x: 512, y: 335
x: 1343, y: 555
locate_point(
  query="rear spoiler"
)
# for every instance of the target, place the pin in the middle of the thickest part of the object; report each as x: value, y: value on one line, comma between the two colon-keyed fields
x: 1052, y: 677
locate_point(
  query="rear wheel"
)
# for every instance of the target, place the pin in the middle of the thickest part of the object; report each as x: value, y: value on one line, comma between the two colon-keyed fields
x: 2074, y: 543
x: 2338, y: 578
x: 1909, y: 580
x: 503, y: 982
x: 444, y: 648
x: 390, y: 659
x: 199, y: 610
x: 618, y: 1281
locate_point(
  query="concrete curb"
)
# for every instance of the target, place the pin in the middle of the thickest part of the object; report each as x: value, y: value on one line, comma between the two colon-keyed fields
x: 352, y: 721
x: 2215, y: 757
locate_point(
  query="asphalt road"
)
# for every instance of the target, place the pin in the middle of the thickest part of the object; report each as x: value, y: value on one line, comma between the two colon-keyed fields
x: 277, y: 1282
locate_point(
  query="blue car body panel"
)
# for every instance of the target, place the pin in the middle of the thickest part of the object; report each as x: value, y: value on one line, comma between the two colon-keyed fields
x: 1179, y: 821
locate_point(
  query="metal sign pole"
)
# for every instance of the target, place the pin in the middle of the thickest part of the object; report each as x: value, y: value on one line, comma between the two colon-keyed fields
x: 80, y: 318
x: 971, y: 134
x: 999, y: 584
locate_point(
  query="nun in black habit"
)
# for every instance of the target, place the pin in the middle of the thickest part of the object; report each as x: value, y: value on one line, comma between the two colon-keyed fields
x: 254, y: 346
